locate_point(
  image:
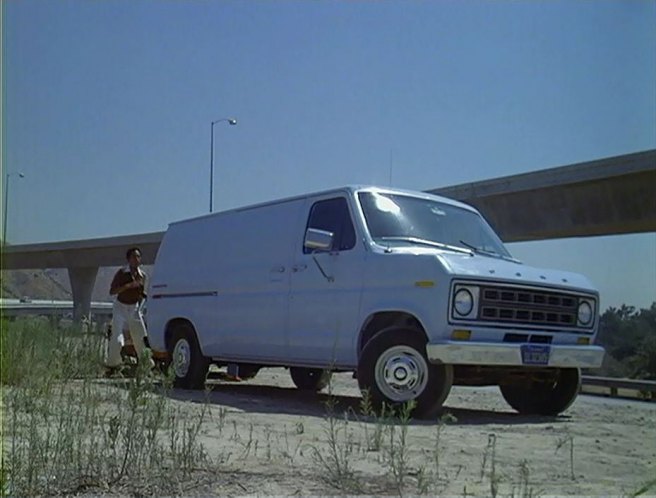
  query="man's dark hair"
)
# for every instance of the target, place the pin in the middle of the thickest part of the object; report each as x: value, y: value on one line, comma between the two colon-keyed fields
x: 131, y: 251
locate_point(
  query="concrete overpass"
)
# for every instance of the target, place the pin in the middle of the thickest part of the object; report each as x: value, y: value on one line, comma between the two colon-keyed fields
x: 616, y: 195
x: 82, y: 258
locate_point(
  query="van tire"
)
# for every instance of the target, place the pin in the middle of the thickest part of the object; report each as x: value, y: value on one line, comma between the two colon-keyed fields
x: 187, y: 361
x: 401, y: 351
x: 248, y: 372
x: 310, y: 379
x: 544, y: 398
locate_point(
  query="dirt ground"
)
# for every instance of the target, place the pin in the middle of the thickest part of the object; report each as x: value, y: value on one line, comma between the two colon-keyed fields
x: 268, y: 438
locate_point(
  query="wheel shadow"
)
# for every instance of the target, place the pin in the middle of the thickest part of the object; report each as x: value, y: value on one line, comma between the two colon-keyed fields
x: 468, y: 416
x: 257, y: 398
x: 268, y: 399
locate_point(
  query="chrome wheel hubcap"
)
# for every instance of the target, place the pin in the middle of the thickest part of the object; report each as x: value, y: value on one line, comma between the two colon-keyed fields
x: 401, y: 373
x: 181, y: 358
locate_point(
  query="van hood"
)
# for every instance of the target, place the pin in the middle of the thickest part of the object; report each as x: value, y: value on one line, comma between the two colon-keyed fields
x: 482, y: 267
x: 489, y: 268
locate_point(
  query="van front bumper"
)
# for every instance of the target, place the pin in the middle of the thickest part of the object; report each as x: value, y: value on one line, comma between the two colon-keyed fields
x: 480, y: 353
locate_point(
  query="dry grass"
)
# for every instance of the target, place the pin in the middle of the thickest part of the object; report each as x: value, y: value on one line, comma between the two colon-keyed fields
x: 65, y: 432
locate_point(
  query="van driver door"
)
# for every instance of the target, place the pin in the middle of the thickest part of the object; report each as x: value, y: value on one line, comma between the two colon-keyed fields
x: 326, y: 286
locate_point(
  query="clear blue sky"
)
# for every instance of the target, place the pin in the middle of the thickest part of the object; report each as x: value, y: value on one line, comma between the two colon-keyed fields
x: 108, y: 106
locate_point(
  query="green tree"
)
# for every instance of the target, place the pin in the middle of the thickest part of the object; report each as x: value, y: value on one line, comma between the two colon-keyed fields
x: 629, y: 337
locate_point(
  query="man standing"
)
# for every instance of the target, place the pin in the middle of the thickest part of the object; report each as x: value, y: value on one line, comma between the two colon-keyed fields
x: 129, y: 287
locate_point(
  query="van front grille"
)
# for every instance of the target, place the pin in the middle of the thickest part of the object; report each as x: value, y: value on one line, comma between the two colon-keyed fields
x: 534, y: 307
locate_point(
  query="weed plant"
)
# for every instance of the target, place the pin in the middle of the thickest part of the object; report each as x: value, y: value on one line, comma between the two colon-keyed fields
x: 568, y: 440
x: 64, y: 431
x: 396, y: 453
x: 335, y: 462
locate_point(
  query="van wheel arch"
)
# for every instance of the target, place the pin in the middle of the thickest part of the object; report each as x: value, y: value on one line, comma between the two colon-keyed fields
x: 385, y: 319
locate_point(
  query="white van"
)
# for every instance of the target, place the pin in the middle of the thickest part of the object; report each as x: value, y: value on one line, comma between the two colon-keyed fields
x: 410, y: 291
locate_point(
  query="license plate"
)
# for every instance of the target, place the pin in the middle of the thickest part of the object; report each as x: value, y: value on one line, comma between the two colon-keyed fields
x: 534, y: 354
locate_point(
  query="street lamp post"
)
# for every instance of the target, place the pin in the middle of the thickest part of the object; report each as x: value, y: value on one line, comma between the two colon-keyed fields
x: 232, y: 122
x: 4, y: 226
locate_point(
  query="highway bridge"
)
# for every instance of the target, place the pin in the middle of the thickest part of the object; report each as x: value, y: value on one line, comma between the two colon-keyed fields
x: 615, y: 195
x: 611, y: 196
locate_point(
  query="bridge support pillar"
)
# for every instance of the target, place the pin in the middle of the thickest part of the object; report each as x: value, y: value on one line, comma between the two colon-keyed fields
x: 82, y: 281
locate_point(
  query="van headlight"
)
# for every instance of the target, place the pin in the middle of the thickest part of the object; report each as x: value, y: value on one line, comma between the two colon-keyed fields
x: 465, y: 299
x: 585, y: 312
x: 463, y: 302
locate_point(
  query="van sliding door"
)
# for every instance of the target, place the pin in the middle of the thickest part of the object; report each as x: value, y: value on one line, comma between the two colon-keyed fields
x: 253, y: 280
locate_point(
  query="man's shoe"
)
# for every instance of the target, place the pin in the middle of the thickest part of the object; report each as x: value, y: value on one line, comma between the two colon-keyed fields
x: 111, y: 371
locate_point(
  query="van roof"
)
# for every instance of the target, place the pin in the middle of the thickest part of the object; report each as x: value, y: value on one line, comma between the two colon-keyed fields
x: 351, y: 189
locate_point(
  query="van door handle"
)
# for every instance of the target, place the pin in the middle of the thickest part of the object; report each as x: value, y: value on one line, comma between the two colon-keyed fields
x: 278, y: 269
x: 297, y: 268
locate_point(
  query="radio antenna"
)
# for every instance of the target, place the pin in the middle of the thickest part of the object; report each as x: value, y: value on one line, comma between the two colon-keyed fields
x: 391, y: 167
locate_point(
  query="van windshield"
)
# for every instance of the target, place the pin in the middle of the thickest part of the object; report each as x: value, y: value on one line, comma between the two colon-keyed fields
x: 400, y: 219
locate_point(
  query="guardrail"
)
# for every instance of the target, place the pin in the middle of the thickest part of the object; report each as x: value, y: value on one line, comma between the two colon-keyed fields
x: 12, y: 308
x: 619, y: 388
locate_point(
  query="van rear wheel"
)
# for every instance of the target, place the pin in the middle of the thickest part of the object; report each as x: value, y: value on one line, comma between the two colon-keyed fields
x: 247, y: 372
x: 187, y: 361
x: 548, y: 397
x: 394, y: 370
x: 310, y: 379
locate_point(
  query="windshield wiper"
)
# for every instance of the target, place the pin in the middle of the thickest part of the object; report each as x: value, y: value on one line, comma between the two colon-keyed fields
x: 431, y: 243
x: 493, y: 254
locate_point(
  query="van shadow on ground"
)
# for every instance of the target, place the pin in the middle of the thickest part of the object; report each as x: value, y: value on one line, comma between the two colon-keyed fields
x: 252, y: 398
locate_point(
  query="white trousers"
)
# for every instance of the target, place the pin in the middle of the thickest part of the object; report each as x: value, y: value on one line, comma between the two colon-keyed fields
x: 122, y: 315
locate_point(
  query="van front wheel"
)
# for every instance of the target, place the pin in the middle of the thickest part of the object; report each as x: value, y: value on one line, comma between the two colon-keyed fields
x: 394, y: 370
x: 310, y: 379
x: 187, y: 361
x: 547, y: 397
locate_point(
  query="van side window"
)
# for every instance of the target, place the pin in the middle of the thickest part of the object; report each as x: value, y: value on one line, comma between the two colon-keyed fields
x: 333, y: 215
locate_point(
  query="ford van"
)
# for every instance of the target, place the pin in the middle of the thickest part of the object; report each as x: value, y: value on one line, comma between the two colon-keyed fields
x: 411, y: 292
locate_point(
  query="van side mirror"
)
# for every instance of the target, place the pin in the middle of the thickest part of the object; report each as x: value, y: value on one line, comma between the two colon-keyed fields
x: 318, y: 240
